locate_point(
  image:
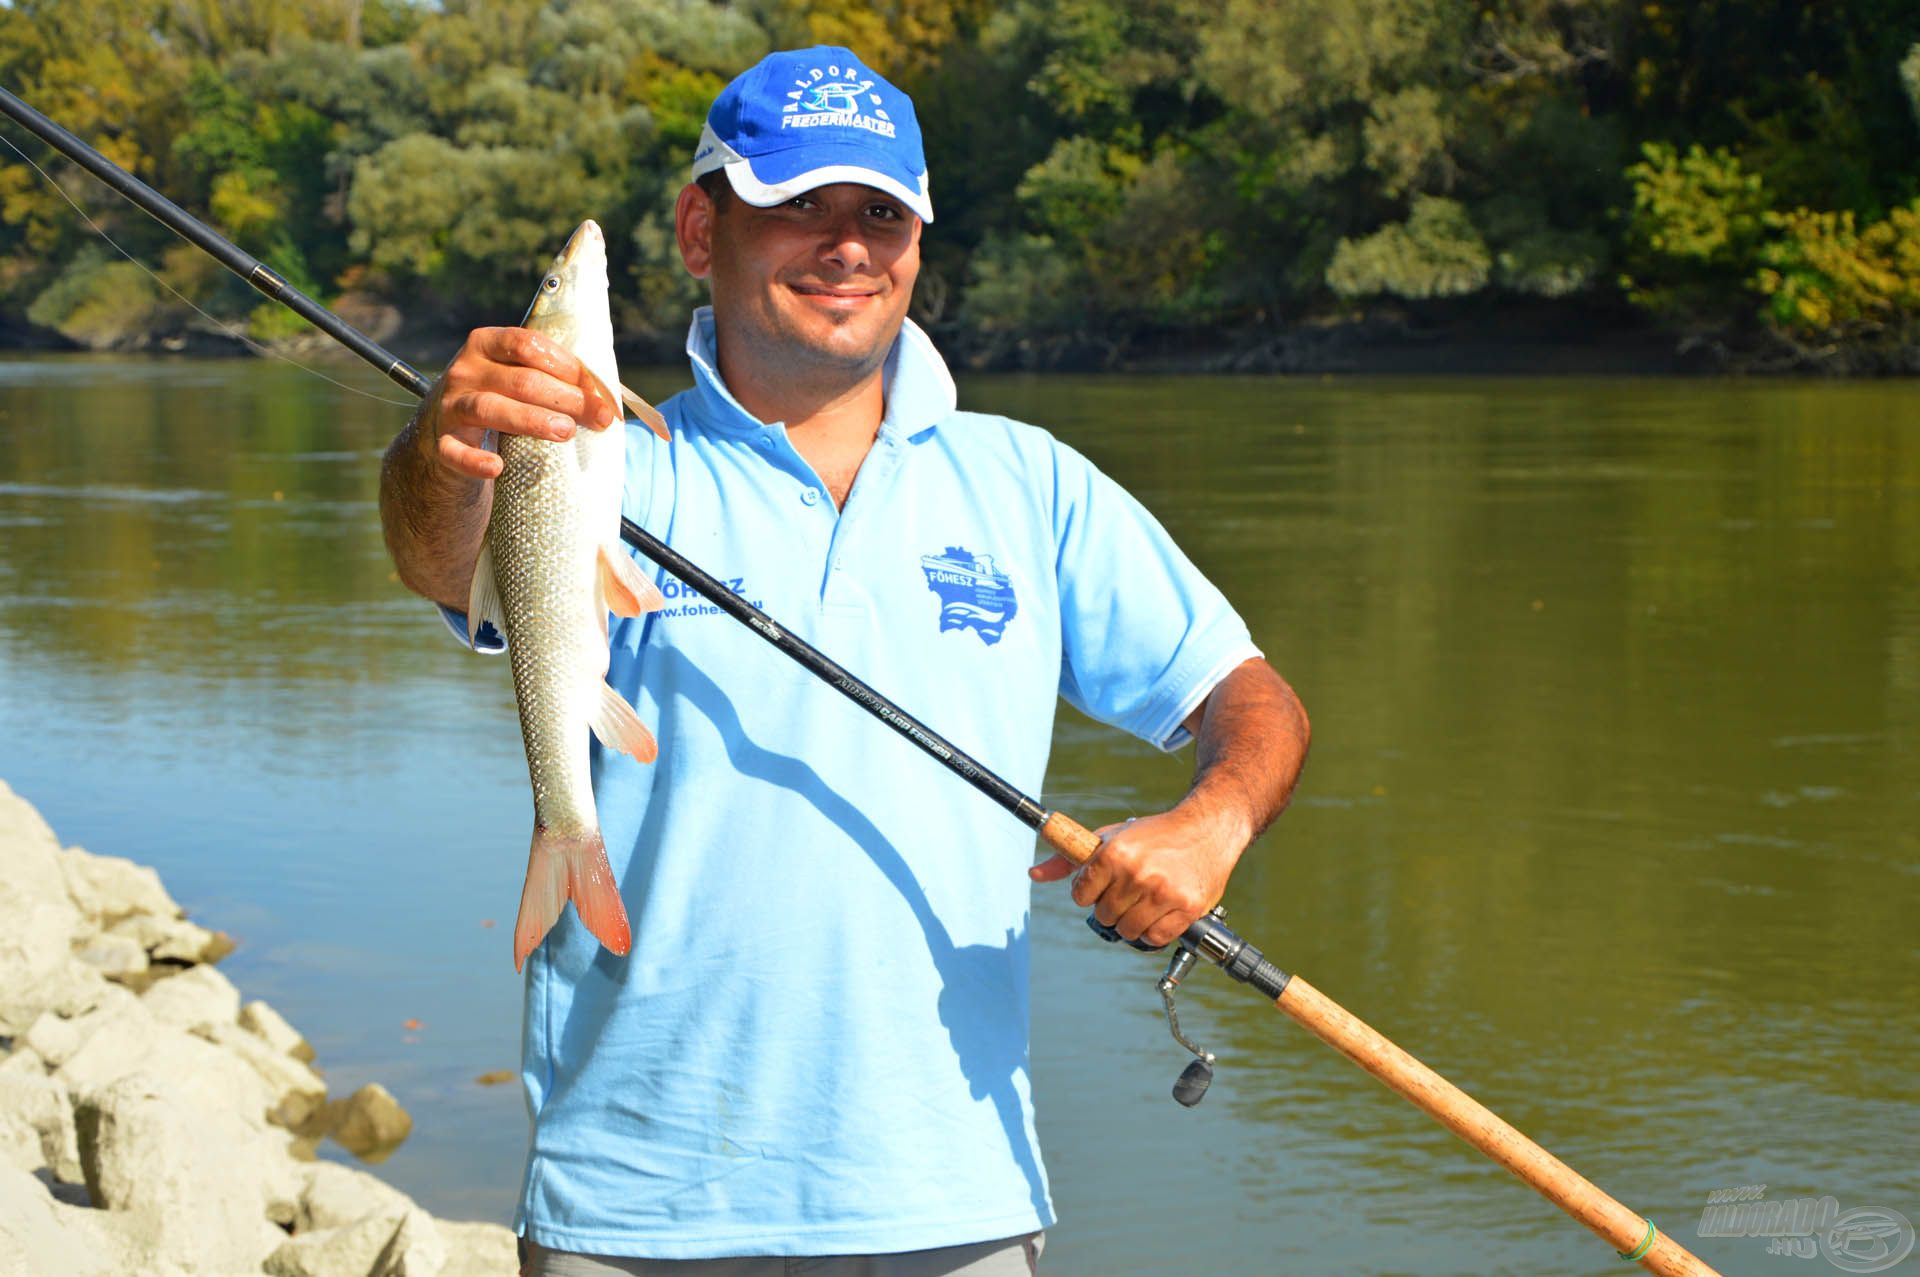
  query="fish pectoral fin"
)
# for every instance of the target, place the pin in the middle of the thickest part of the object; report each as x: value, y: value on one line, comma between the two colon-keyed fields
x: 645, y: 411
x: 483, y: 598
x: 618, y: 727
x: 627, y: 589
x: 563, y: 867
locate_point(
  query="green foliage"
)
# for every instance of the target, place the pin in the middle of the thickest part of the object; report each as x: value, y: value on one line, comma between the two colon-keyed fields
x: 1694, y: 230
x: 97, y: 300
x: 1827, y: 279
x: 1436, y: 252
x: 1104, y: 170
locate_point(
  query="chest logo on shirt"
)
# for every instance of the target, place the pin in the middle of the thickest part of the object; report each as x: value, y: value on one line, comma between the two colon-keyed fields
x: 974, y: 595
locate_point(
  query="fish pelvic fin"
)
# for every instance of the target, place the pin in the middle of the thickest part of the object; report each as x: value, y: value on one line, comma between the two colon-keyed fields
x: 627, y: 590
x: 645, y: 411
x: 483, y: 598
x: 563, y: 867
x: 618, y: 727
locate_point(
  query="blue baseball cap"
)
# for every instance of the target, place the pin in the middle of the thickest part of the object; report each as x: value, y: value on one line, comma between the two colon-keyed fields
x: 803, y: 118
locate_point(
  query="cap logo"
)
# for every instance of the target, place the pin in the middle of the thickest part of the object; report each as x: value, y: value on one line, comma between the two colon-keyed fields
x: 831, y: 96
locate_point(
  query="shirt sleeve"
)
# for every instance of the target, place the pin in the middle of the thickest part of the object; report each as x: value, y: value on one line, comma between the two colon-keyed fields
x: 1144, y: 635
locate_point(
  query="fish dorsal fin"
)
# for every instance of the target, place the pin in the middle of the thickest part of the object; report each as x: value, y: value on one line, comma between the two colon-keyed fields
x: 483, y: 598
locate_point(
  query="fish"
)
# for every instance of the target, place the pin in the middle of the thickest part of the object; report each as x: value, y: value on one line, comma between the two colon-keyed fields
x: 551, y: 568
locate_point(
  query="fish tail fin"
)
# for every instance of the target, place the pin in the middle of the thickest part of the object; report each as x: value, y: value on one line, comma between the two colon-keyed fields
x: 564, y: 867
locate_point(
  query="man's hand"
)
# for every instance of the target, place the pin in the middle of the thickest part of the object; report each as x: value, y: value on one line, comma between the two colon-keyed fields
x: 1153, y: 876
x: 511, y: 381
x: 435, y: 488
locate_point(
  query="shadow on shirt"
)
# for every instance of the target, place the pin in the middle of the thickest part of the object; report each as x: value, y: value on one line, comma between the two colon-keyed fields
x: 970, y: 975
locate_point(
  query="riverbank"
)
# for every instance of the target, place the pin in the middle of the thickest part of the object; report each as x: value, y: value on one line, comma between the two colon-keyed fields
x: 153, y: 1123
x: 1515, y: 337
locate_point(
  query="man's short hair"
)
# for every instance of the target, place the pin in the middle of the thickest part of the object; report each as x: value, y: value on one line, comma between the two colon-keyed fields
x: 717, y: 187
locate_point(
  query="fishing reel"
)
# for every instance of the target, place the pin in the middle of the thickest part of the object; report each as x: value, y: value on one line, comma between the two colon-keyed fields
x: 1212, y: 939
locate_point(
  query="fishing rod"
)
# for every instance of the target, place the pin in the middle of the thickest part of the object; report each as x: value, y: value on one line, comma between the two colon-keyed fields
x: 1633, y: 1237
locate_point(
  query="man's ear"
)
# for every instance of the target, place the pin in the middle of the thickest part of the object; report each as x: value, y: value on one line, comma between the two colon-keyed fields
x: 693, y: 216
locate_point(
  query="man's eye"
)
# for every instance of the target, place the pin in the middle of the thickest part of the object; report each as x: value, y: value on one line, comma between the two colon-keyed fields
x: 885, y: 212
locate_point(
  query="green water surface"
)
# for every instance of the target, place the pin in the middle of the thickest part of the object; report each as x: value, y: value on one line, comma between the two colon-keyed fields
x: 1613, y: 813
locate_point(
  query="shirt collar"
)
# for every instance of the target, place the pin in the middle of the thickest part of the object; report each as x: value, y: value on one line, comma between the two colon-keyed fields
x: 919, y: 390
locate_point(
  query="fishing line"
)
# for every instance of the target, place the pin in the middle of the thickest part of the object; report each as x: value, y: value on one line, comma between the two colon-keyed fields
x: 238, y: 336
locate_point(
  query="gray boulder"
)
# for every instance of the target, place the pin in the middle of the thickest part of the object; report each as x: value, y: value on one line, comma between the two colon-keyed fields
x: 40, y: 1237
x: 117, y: 957
x: 31, y: 865
x: 370, y: 1123
x: 267, y: 1024
x: 479, y: 1250
x: 107, y: 889
x: 333, y: 1196
x: 40, y: 1107
x: 198, y: 1188
x: 198, y: 995
x: 296, y: 1090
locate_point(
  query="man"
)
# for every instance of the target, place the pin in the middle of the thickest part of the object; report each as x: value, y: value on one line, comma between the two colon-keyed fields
x: 818, y: 1044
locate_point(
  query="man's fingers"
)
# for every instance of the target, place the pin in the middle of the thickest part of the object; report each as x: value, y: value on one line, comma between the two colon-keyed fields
x: 527, y: 348
x: 462, y: 457
x: 1052, y: 869
x: 602, y: 405
x: 477, y: 411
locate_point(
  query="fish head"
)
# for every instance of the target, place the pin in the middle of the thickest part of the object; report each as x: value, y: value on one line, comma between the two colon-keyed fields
x: 570, y: 306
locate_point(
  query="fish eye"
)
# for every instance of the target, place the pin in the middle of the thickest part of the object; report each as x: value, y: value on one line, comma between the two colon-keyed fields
x: 551, y: 283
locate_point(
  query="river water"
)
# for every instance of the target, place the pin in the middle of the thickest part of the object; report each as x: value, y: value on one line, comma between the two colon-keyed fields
x: 1613, y: 814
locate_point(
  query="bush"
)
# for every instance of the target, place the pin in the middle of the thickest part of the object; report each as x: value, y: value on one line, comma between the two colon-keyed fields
x: 1436, y: 252
x: 1826, y: 279
x: 97, y: 301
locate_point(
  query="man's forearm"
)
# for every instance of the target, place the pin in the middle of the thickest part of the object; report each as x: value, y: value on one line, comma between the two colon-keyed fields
x: 433, y: 519
x: 1251, y: 742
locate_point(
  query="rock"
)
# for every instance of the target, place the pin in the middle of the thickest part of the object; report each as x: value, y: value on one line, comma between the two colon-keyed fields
x: 116, y: 1035
x: 415, y: 1250
x: 107, y: 889
x: 53, y: 1038
x: 334, y: 1196
x: 60, y: 1032
x: 172, y: 1062
x: 198, y: 995
x: 19, y: 1143
x: 41, y: 1106
x: 297, y: 1090
x: 355, y: 1250
x: 266, y: 1023
x: 116, y: 957
x: 197, y: 1186
x: 40, y: 1237
x: 67, y: 987
x: 36, y: 935
x: 31, y: 863
x: 175, y: 939
x: 479, y: 1250
x: 370, y: 1123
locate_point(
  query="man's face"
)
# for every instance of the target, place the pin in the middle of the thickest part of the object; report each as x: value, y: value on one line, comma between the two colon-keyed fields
x: 819, y: 284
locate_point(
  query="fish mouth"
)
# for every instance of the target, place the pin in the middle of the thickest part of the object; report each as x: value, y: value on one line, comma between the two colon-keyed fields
x: 586, y: 239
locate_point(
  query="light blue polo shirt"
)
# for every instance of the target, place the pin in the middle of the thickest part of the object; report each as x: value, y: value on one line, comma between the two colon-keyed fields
x: 818, y: 1044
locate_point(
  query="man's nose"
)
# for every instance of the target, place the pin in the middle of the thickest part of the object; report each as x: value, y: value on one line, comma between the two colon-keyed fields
x: 845, y: 244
